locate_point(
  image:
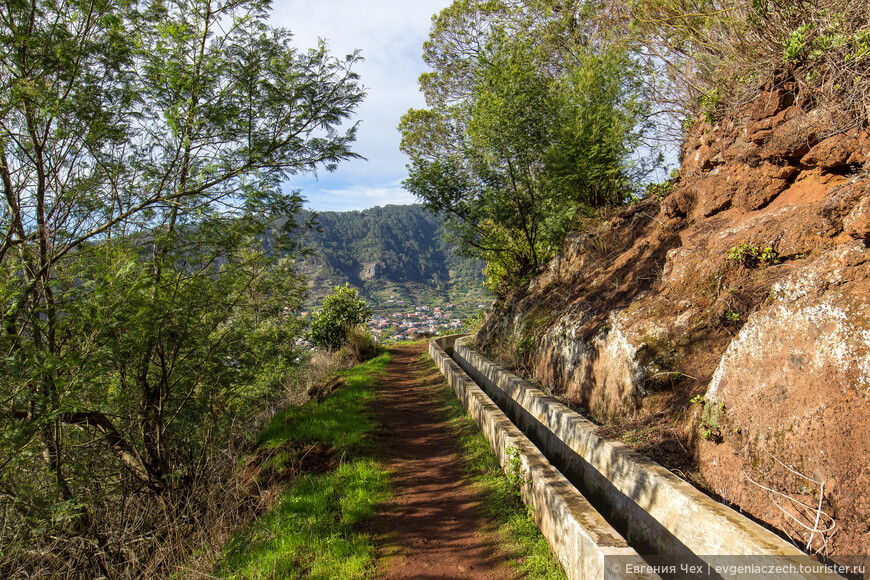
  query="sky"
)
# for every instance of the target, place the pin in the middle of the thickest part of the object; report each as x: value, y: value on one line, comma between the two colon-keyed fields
x: 390, y: 36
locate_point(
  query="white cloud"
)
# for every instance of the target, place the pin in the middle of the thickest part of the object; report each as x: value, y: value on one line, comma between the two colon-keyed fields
x: 359, y: 197
x: 390, y: 35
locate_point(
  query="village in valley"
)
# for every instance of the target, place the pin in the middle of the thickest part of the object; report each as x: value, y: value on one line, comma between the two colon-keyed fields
x: 396, y: 320
x: 413, y: 321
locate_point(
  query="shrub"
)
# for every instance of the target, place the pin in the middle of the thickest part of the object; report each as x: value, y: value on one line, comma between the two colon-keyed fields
x: 359, y: 345
x: 342, y: 311
x: 752, y: 256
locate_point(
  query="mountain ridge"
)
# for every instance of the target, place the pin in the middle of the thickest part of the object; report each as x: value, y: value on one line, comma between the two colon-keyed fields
x: 392, y: 252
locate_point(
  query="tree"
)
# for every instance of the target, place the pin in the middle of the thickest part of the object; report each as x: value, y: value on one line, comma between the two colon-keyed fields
x: 342, y: 311
x: 531, y: 123
x: 140, y: 172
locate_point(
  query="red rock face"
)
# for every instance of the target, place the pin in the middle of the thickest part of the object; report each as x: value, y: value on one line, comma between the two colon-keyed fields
x: 748, y: 285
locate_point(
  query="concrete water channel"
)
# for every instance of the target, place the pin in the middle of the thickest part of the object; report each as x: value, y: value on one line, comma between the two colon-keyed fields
x: 606, y: 510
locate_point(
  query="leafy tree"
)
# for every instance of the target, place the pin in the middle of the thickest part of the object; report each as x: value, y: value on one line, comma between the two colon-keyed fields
x: 530, y: 123
x: 140, y: 172
x: 342, y: 311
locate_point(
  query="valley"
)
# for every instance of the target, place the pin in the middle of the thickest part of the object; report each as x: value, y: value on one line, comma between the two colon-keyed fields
x: 396, y: 256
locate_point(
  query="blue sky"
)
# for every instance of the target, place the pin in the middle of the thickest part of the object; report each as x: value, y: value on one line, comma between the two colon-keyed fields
x: 390, y: 34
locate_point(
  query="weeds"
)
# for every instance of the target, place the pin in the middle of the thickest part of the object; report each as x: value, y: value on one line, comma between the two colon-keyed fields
x: 659, y: 191
x: 712, y: 419
x: 514, y: 471
x: 473, y: 323
x: 714, y: 58
x: 802, y: 516
x: 752, y: 256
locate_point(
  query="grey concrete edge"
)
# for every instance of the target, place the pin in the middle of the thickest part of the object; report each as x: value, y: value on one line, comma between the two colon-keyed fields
x: 586, y: 545
x: 707, y: 527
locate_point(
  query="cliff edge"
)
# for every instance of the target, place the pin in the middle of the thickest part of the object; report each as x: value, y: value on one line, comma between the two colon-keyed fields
x: 725, y: 325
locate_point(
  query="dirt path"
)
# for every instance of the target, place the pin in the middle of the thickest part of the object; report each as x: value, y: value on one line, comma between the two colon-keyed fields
x: 432, y: 528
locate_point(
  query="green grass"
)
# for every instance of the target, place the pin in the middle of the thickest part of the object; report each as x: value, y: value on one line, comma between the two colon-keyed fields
x: 502, y: 503
x: 313, y: 530
x: 337, y: 420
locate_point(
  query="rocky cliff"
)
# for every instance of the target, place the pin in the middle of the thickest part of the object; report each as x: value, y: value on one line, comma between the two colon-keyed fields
x: 731, y: 315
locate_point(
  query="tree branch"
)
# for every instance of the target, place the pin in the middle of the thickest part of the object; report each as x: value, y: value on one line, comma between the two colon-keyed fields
x: 120, y: 447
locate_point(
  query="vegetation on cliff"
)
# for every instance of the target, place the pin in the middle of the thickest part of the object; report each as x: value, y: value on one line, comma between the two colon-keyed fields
x: 529, y: 127
x: 721, y: 324
x: 714, y: 56
x: 536, y: 110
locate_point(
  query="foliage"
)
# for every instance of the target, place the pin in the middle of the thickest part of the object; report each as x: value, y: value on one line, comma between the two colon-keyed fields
x: 659, y: 191
x: 141, y: 150
x: 530, y: 123
x: 473, y: 323
x: 711, y: 424
x: 514, y: 472
x: 716, y: 54
x: 751, y: 256
x: 313, y: 531
x: 342, y: 311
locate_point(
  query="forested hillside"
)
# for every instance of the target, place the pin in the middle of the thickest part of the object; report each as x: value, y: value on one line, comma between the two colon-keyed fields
x: 393, y: 251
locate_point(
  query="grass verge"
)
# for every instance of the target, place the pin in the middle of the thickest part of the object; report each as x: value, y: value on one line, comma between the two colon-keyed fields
x: 502, y: 503
x: 310, y: 533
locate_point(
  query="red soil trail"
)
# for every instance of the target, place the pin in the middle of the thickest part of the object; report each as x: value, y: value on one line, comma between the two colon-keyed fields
x: 432, y: 528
